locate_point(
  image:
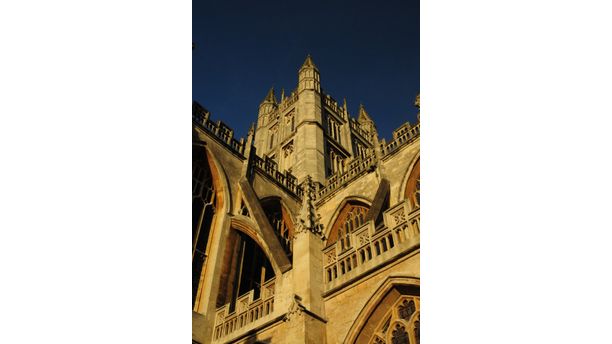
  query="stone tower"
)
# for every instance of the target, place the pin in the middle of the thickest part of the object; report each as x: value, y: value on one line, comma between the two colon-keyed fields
x: 308, y: 230
x: 292, y: 136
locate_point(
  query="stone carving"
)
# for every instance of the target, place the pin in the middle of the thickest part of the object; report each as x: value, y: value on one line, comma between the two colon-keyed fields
x: 400, y: 336
x: 295, y: 309
x: 406, y: 309
x: 269, y: 291
x: 379, y: 340
x: 364, y: 239
x: 220, y: 317
x: 288, y: 149
x: 330, y: 256
x: 308, y: 220
x: 244, y: 305
x: 399, y: 217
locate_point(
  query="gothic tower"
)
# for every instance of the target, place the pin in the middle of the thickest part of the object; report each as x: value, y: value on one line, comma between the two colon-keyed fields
x: 291, y: 133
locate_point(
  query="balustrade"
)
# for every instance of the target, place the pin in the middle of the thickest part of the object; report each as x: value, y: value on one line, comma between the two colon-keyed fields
x: 353, y: 170
x: 357, y: 128
x: 404, y: 137
x: 218, y: 130
x: 247, y: 311
x: 270, y: 168
x: 290, y: 100
x: 400, y: 231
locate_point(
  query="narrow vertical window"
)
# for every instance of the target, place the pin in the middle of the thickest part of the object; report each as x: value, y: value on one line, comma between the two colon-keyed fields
x: 203, y: 201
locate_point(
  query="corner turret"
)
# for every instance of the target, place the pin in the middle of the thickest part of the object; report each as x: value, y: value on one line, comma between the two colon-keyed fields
x: 309, y: 77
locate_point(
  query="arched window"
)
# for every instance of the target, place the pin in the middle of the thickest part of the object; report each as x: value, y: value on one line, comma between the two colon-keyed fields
x: 203, y: 210
x: 245, y: 268
x: 281, y: 222
x: 350, y: 218
x: 404, y: 320
x: 393, y: 319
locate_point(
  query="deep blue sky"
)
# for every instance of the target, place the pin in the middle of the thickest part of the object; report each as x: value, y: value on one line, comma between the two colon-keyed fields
x: 366, y: 51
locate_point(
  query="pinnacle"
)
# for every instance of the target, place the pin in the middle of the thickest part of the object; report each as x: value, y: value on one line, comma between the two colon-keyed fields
x: 270, y: 96
x: 309, y: 63
x: 363, y: 115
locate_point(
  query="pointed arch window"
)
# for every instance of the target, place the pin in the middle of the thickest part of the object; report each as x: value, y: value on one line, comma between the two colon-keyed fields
x: 203, y: 210
x: 281, y: 223
x: 351, y: 217
x: 245, y: 268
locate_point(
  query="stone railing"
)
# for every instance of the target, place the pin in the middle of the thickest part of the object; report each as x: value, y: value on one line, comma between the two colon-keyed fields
x: 369, y: 247
x: 353, y: 170
x: 248, y: 311
x: 403, y: 138
x: 269, y: 168
x: 218, y: 130
x: 288, y: 101
x: 333, y: 104
x: 357, y: 128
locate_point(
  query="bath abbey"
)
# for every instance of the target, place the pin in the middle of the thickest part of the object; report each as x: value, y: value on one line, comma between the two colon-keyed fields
x: 307, y: 229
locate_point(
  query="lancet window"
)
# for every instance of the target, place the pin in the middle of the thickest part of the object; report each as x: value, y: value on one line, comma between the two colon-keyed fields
x: 333, y: 129
x: 203, y: 211
x: 246, y: 268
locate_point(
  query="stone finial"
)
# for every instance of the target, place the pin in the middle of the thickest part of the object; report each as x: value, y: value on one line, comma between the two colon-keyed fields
x: 252, y: 129
x: 308, y: 220
x: 270, y: 98
x: 308, y: 63
x: 363, y: 114
x: 282, y: 95
x: 344, y: 105
x: 417, y: 101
